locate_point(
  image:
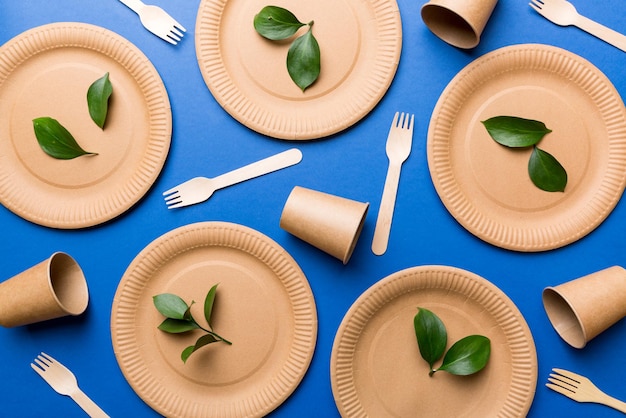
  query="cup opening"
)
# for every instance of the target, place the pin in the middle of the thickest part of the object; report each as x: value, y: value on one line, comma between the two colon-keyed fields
x: 356, y: 235
x: 68, y: 283
x: 449, y: 26
x: 564, y: 318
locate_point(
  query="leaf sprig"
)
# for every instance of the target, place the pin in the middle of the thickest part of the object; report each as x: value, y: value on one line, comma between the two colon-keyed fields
x: 178, y: 319
x: 514, y: 132
x: 466, y: 356
x: 303, y: 58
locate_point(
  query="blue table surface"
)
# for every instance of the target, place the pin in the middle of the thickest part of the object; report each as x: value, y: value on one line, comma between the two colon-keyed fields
x: 208, y: 141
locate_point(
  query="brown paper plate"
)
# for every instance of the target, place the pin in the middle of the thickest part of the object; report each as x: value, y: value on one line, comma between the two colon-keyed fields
x: 47, y: 71
x: 264, y: 306
x: 376, y: 367
x: 486, y: 186
x: 360, y: 45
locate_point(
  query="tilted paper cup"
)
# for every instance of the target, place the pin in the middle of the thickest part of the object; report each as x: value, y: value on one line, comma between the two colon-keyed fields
x: 331, y: 223
x: 581, y: 309
x: 458, y: 22
x: 53, y: 288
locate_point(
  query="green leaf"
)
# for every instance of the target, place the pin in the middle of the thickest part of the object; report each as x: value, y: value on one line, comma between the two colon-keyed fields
x: 546, y: 172
x: 467, y: 356
x: 202, y: 341
x: 98, y: 99
x: 187, y: 316
x: 55, y: 140
x: 208, y: 304
x: 515, y: 132
x: 176, y: 326
x: 303, y: 60
x: 171, y: 306
x: 276, y: 23
x: 431, y: 335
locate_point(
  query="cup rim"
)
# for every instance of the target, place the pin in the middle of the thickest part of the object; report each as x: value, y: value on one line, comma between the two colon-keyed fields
x: 434, y: 15
x: 77, y: 280
x: 355, y: 238
x: 550, y: 298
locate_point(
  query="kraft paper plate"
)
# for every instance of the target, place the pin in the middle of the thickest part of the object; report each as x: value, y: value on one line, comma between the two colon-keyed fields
x: 376, y: 367
x: 47, y: 71
x: 486, y: 186
x: 360, y: 43
x: 264, y: 306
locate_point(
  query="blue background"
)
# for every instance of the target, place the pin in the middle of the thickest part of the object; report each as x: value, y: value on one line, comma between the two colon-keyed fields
x: 208, y: 141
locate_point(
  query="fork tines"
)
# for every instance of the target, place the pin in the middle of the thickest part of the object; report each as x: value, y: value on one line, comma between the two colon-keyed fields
x: 536, y: 4
x: 405, y: 121
x: 565, y: 385
x: 176, y: 34
x: 43, y: 361
x: 172, y: 197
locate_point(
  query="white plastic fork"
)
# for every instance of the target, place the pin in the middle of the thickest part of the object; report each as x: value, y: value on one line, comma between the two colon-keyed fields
x: 398, y: 148
x: 157, y: 21
x: 563, y: 13
x: 199, y: 189
x: 64, y: 382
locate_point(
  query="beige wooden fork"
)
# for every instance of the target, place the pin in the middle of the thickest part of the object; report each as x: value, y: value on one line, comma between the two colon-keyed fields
x: 398, y: 148
x: 581, y: 389
x: 157, y: 21
x: 563, y: 13
x: 199, y: 189
x: 64, y: 382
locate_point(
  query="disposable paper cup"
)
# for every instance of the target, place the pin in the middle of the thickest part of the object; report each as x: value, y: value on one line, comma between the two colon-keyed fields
x: 54, y: 288
x: 331, y: 223
x: 581, y: 309
x: 458, y: 22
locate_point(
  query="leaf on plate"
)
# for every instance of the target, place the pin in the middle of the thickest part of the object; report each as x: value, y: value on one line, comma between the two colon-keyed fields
x: 431, y: 335
x: 303, y: 60
x: 276, y: 23
x: 55, y: 140
x: 177, y: 326
x: 467, y: 356
x: 171, y: 306
x: 515, y: 132
x: 208, y: 304
x: 202, y: 341
x: 546, y: 172
x: 187, y: 316
x: 98, y: 99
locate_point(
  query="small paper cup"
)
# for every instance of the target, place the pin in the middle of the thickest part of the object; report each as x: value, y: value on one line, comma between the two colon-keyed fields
x: 458, y: 22
x: 331, y: 223
x: 581, y: 309
x: 54, y: 288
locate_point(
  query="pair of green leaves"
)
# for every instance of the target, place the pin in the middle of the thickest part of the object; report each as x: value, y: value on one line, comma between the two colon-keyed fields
x: 514, y: 132
x: 303, y: 58
x: 178, y: 319
x: 56, y: 141
x: 467, y: 356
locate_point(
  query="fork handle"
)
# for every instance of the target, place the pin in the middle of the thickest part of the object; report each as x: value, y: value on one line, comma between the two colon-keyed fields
x: 259, y: 168
x: 89, y: 406
x: 134, y: 5
x: 608, y: 35
x: 385, y: 213
x: 614, y: 403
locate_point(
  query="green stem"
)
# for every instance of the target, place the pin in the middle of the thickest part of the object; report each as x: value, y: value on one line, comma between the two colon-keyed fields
x: 208, y: 331
x: 220, y: 337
